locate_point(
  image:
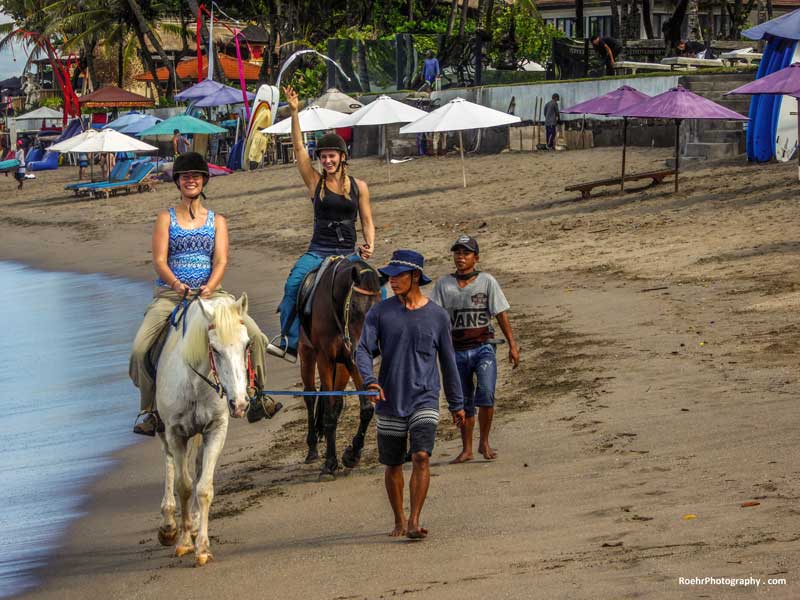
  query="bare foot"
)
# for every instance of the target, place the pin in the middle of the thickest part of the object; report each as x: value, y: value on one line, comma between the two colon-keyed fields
x: 418, y: 533
x: 399, y: 529
x: 462, y: 458
x: 487, y: 452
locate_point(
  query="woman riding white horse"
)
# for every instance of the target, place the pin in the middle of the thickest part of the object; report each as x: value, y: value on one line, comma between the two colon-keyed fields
x: 338, y: 199
x: 190, y: 252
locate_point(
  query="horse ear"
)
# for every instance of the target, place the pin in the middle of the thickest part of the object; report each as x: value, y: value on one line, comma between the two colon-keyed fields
x: 242, y: 304
x: 207, y: 308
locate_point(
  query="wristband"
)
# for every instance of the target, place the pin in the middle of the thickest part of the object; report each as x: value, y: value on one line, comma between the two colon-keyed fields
x: 172, y: 285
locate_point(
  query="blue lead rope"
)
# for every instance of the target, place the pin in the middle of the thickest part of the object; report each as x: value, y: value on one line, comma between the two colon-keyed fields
x: 326, y: 393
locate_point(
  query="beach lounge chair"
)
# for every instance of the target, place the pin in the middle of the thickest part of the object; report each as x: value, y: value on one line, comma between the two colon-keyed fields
x: 34, y: 155
x: 49, y: 162
x: 139, y: 181
x: 633, y: 66
x: 9, y: 165
x: 685, y: 61
x: 742, y: 55
x: 118, y: 173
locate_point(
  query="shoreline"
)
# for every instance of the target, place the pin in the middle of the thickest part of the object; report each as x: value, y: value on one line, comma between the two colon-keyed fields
x: 658, y: 380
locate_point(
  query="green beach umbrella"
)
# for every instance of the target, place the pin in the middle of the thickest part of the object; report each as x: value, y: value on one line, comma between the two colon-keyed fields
x: 185, y: 124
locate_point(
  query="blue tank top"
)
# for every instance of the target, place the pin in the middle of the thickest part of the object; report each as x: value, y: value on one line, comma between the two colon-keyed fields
x: 191, y: 251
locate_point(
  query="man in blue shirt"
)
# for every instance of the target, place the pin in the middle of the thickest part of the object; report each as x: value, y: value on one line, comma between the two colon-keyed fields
x: 408, y: 332
x: 430, y: 68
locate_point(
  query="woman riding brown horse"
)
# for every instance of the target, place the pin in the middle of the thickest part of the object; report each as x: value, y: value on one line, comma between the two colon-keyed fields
x: 343, y: 294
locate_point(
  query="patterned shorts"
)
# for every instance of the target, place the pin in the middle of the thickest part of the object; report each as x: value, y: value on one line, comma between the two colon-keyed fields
x: 394, y: 433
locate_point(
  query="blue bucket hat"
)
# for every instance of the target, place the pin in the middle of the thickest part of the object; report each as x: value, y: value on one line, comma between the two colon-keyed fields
x: 403, y: 261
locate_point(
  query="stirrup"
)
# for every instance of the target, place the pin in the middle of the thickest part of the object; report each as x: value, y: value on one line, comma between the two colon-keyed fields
x: 281, y: 350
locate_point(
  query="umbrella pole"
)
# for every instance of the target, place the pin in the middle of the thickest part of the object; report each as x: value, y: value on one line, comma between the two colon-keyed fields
x: 461, y: 147
x: 677, y: 151
x: 624, y: 148
x: 386, y: 150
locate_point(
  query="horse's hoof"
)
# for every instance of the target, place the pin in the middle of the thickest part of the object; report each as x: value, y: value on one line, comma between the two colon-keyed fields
x: 312, y: 456
x: 183, y: 550
x: 168, y: 537
x: 327, y: 476
x: 349, y: 458
x: 201, y: 559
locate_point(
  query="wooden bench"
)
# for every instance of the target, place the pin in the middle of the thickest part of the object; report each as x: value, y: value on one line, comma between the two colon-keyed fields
x: 586, y: 188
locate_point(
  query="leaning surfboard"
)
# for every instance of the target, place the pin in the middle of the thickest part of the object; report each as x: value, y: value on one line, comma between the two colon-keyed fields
x: 763, y: 136
x: 255, y: 142
x: 786, y: 129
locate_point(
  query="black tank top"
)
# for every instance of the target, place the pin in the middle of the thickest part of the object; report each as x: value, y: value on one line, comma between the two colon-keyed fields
x: 335, y: 221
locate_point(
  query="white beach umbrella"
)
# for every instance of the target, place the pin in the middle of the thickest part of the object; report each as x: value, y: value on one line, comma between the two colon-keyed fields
x: 458, y: 115
x: 69, y: 143
x: 109, y: 140
x: 312, y: 118
x: 383, y: 111
x: 333, y: 99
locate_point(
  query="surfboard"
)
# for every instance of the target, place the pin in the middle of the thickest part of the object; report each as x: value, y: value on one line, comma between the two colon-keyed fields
x: 263, y: 111
x: 763, y: 138
x: 786, y: 122
x: 755, y: 101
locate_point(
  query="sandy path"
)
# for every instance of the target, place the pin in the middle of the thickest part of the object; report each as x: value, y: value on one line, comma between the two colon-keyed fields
x: 632, y: 408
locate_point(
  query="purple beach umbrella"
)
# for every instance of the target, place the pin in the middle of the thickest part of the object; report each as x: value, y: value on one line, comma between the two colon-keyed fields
x: 199, y: 90
x: 785, y: 82
x: 620, y: 99
x: 222, y: 96
x: 679, y: 104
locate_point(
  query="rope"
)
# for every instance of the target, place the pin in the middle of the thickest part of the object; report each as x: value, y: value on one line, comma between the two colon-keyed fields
x: 320, y: 393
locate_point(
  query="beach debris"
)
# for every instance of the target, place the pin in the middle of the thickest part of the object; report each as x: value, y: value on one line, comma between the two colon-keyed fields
x: 533, y: 505
x: 655, y: 289
x: 750, y: 503
x: 612, y: 545
x: 689, y: 517
x: 524, y: 464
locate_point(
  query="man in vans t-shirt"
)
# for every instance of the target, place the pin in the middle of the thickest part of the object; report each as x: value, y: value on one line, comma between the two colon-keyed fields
x: 472, y: 299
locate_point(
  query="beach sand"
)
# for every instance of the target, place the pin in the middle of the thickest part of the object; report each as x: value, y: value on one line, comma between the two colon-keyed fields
x: 657, y: 391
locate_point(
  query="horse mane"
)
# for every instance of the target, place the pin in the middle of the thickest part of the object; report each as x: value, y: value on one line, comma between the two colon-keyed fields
x: 227, y: 319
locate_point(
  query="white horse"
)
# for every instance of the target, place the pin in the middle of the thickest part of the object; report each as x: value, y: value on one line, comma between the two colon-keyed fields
x: 212, y: 342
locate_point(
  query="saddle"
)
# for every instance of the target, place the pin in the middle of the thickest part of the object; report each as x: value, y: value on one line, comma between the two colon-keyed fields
x: 305, y: 296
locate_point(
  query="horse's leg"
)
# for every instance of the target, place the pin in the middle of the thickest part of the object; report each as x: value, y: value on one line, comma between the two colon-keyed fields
x: 352, y: 454
x: 213, y: 441
x: 183, y: 482
x: 198, y: 447
x: 308, y: 363
x: 333, y: 407
x: 168, y: 531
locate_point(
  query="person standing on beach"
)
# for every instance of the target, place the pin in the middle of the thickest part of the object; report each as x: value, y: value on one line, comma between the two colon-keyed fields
x: 190, y: 255
x: 20, y: 156
x: 472, y: 298
x: 431, y: 71
x: 552, y: 119
x: 338, y: 199
x: 409, y: 332
x: 180, y: 144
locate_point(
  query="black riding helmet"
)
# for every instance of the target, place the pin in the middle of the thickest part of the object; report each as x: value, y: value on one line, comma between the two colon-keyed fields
x: 332, y: 141
x: 190, y: 162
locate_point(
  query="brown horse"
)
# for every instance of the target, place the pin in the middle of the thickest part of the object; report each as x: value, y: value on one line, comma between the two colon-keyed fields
x: 328, y: 338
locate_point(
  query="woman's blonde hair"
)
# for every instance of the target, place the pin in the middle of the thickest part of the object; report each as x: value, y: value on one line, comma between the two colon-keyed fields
x: 344, y: 180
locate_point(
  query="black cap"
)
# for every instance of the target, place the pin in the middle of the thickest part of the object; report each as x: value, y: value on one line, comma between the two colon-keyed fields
x: 332, y: 141
x: 189, y: 162
x: 466, y: 242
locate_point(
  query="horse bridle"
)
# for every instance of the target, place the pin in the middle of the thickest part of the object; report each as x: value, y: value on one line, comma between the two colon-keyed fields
x: 216, y: 384
x: 344, y: 328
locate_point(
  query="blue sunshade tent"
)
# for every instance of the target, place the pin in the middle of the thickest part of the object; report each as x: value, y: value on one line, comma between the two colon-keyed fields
x: 786, y: 26
x: 183, y: 123
x: 141, y: 125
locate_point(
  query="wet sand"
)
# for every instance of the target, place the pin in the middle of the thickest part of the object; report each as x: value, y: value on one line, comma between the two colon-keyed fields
x: 659, y: 347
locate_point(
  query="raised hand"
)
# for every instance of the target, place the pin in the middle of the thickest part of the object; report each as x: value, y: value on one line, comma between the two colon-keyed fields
x: 291, y: 98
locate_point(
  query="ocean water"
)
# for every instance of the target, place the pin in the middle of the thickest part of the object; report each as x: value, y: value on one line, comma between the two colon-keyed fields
x: 66, y: 403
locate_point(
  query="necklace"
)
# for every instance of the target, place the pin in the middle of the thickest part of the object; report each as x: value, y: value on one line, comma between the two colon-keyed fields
x: 465, y: 276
